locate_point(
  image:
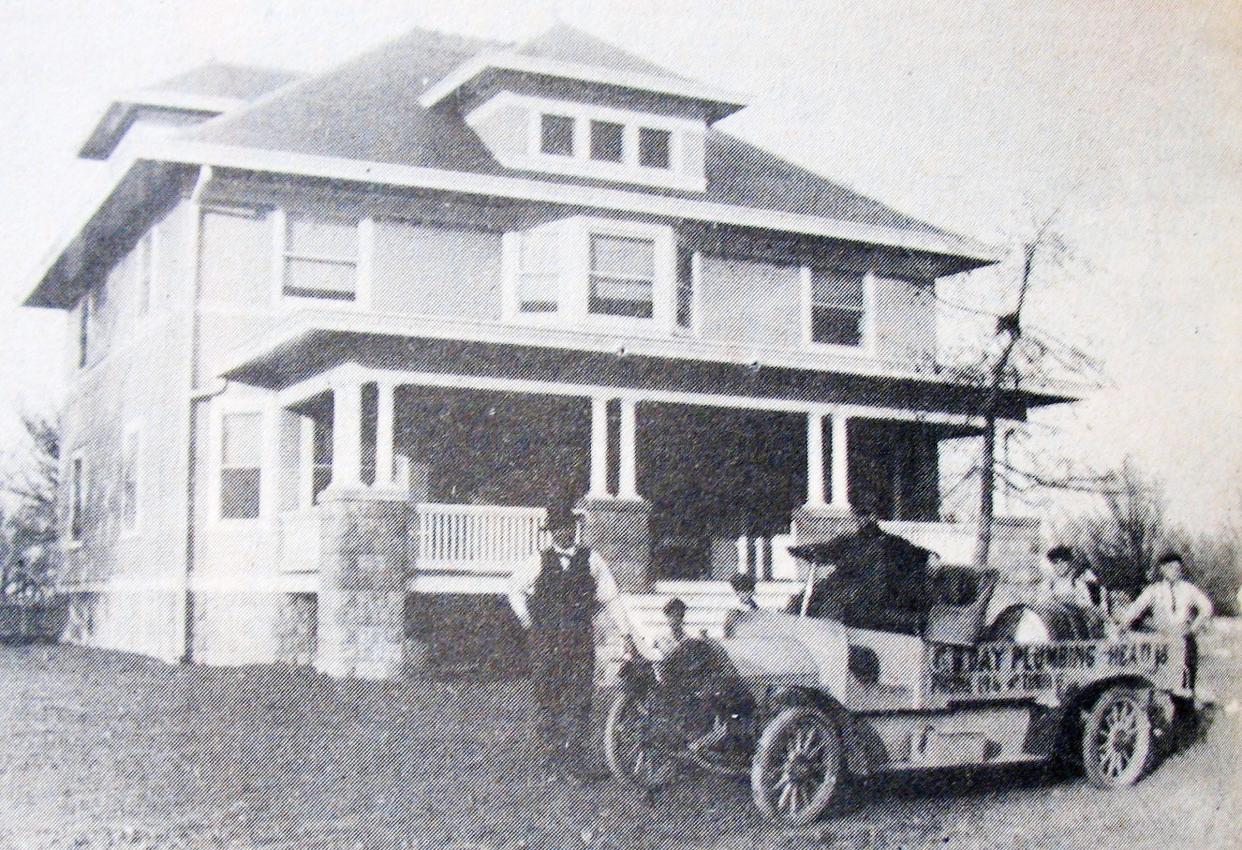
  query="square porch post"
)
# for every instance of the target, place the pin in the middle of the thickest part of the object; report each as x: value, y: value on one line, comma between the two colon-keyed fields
x: 384, y: 413
x: 815, y: 489
x: 627, y: 478
x: 599, y: 448
x: 840, y: 462
x: 619, y: 527
x: 346, y: 435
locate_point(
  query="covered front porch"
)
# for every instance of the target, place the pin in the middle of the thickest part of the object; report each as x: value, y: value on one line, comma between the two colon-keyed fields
x: 672, y: 486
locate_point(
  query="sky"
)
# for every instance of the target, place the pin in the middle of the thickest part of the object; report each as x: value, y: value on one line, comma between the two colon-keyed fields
x: 984, y: 116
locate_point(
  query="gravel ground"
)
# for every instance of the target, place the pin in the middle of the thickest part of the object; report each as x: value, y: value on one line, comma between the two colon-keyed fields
x: 104, y: 750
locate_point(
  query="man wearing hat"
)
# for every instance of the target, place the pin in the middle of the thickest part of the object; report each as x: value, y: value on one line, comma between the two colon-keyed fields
x: 1176, y: 607
x: 555, y: 596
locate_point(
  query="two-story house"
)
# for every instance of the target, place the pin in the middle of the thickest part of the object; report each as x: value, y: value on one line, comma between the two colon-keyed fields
x: 336, y: 340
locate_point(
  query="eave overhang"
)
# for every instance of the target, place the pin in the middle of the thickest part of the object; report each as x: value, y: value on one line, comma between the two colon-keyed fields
x: 121, y: 113
x: 304, y: 350
x: 719, y: 102
x: 90, y: 242
x: 971, y: 253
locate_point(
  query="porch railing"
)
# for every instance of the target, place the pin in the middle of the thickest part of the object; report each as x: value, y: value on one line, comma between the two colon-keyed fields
x: 475, y: 538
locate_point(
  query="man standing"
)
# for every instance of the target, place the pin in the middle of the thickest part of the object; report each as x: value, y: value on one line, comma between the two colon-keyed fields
x: 1176, y: 607
x: 555, y: 596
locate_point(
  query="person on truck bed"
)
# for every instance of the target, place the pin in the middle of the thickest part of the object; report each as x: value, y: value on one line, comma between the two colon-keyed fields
x: 1174, y: 606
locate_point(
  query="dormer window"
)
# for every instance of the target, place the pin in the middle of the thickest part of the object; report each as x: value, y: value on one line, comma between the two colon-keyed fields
x: 607, y: 141
x: 530, y: 133
x: 557, y: 135
x: 654, y: 147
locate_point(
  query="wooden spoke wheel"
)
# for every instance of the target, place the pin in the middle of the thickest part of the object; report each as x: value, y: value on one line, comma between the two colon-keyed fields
x: 1117, y: 738
x: 637, y: 746
x: 796, y: 766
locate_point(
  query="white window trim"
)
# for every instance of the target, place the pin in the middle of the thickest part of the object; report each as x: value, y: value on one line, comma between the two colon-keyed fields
x: 133, y: 429
x: 78, y: 491
x: 868, y: 346
x: 696, y: 298
x: 364, y: 265
x: 267, y: 458
x: 574, y: 237
x: 580, y: 163
x: 153, y: 238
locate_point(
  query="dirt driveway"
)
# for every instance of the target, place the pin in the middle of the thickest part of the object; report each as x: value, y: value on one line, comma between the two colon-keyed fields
x: 106, y: 750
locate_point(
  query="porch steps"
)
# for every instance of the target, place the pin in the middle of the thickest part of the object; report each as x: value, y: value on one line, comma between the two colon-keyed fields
x: 707, y: 605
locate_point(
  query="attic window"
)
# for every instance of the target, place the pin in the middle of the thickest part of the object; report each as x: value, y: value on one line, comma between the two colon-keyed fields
x: 607, y: 141
x: 653, y: 148
x: 557, y: 136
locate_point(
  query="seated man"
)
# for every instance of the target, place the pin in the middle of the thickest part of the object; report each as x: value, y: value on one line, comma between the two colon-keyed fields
x: 881, y: 581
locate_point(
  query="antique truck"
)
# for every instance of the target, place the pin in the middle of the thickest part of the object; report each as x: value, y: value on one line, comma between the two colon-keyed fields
x: 798, y: 701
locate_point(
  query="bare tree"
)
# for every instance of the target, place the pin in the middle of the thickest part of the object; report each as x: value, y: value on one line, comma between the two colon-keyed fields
x: 1015, y: 356
x: 1122, y: 540
x: 29, y: 480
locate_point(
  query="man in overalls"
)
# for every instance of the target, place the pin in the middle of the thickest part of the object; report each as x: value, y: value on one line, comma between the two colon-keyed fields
x: 555, y: 596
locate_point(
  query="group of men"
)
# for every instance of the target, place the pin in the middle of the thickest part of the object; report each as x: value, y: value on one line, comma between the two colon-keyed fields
x: 1170, y: 604
x: 558, y: 592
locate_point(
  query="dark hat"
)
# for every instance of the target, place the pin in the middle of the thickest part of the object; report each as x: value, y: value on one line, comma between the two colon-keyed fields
x: 675, y: 604
x: 560, y: 515
x: 742, y: 581
x: 1060, y: 553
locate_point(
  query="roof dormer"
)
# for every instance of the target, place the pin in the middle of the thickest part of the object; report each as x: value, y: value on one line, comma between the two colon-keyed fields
x: 568, y: 103
x: 181, y: 101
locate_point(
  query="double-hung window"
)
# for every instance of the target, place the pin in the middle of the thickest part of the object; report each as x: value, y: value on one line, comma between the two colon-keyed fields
x: 241, y: 464
x: 838, y: 308
x: 684, y: 316
x: 538, y: 272
x: 77, y: 497
x: 145, y: 271
x: 131, y: 446
x: 84, y: 328
x: 320, y: 258
x: 621, y: 276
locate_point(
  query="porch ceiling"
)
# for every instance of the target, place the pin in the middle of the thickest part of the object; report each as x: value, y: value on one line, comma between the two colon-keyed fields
x: 316, y: 351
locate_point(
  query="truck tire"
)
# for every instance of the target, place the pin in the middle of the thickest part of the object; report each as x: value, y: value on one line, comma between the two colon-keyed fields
x: 797, y: 765
x: 1117, y: 741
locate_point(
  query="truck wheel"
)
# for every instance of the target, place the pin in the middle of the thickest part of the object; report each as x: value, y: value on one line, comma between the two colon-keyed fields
x: 634, y: 749
x: 1117, y: 738
x: 796, y: 766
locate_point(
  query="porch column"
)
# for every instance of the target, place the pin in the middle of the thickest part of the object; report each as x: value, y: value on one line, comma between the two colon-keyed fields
x: 384, y: 435
x: 599, y: 448
x: 346, y: 435
x: 815, y: 461
x: 840, y: 461
x: 627, y: 479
